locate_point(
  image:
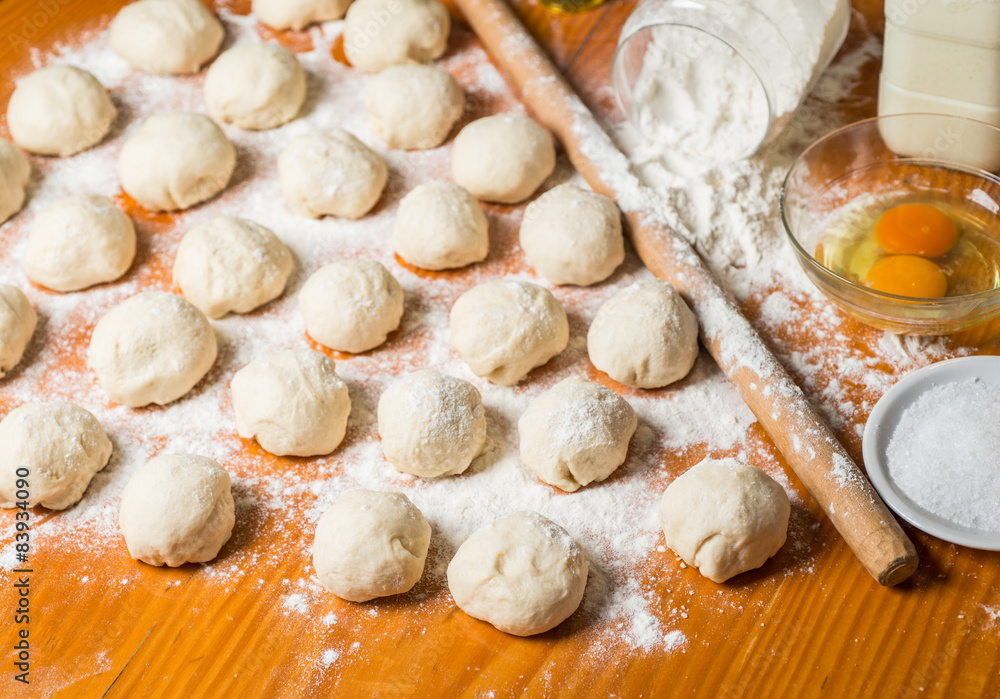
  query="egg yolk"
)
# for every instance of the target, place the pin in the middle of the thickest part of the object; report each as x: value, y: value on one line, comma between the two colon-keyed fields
x: 915, y: 229
x: 907, y: 275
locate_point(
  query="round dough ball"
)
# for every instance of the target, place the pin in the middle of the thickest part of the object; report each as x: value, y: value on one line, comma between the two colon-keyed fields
x: 231, y: 264
x: 503, y: 158
x: 575, y: 433
x: 166, y: 37
x: 370, y: 544
x: 644, y: 336
x: 298, y: 14
x: 15, y: 172
x: 78, y: 242
x: 504, y: 329
x: 383, y: 33
x: 177, y: 509
x: 175, y: 161
x: 59, y: 110
x: 292, y: 402
x: 440, y: 226
x: 431, y: 425
x: 351, y: 305
x: 151, y: 348
x: 60, y: 444
x: 255, y: 86
x: 331, y: 173
x: 413, y: 106
x: 724, y: 517
x: 537, y: 586
x: 17, y: 325
x: 573, y: 236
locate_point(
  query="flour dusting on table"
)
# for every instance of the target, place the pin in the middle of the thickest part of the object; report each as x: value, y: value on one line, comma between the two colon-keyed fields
x: 732, y: 214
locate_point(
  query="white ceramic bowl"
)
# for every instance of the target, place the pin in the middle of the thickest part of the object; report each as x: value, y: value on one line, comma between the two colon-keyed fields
x: 881, y: 425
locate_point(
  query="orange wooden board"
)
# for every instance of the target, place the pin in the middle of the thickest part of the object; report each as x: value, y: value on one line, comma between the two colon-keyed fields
x: 811, y: 622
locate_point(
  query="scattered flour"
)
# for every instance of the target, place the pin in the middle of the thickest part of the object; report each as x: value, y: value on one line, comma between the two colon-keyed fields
x: 731, y: 213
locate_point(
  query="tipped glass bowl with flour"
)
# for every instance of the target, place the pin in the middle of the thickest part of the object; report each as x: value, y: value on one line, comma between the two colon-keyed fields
x: 897, y: 220
x: 716, y: 79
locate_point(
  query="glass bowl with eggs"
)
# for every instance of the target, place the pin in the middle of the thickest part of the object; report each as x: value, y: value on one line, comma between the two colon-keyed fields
x: 896, y: 219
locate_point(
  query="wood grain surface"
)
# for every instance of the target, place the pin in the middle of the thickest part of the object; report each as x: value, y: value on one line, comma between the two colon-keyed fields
x: 829, y: 631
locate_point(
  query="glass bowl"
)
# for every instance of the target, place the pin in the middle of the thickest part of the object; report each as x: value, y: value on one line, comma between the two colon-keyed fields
x: 897, y: 158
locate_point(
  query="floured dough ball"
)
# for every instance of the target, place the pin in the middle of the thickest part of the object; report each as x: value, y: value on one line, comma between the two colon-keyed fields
x: 440, y: 226
x: 15, y: 172
x: 78, y: 242
x: 524, y: 574
x: 331, y: 173
x: 573, y: 236
x: 724, y: 517
x: 383, y: 33
x: 504, y: 329
x: 431, y: 425
x: 351, y: 305
x: 231, y: 264
x: 503, y: 158
x: 59, y: 110
x: 413, y: 106
x: 370, y: 544
x: 177, y: 509
x: 644, y: 336
x: 298, y: 14
x: 57, y: 447
x: 292, y: 402
x: 175, y: 161
x: 151, y: 348
x: 255, y: 86
x: 166, y: 37
x: 17, y: 325
x: 575, y: 433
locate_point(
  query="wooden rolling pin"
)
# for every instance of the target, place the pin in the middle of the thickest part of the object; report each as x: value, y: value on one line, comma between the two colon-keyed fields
x: 806, y: 442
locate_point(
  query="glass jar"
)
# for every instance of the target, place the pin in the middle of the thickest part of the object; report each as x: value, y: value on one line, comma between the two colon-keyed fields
x: 716, y: 79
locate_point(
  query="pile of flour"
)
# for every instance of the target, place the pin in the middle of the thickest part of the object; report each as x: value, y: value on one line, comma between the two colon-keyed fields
x: 701, y: 96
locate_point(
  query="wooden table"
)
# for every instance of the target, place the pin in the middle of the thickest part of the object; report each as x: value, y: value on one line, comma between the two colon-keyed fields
x: 830, y: 631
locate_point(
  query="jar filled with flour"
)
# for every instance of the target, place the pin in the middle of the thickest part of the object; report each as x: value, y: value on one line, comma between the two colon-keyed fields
x: 714, y: 80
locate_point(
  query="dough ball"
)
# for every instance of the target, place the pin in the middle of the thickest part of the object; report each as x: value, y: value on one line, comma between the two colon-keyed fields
x: 351, y: 305
x: 175, y: 161
x: 383, y: 33
x: 292, y: 402
x: 231, y: 264
x: 151, y: 348
x: 78, y: 242
x: 17, y: 325
x: 644, y: 336
x: 573, y: 236
x: 60, y: 444
x: 177, y: 509
x: 370, y: 544
x: 15, y: 172
x: 440, y: 226
x: 59, y: 110
x: 575, y: 433
x: 503, y: 158
x: 298, y: 14
x: 524, y: 574
x: 166, y: 37
x: 431, y: 425
x: 255, y: 86
x: 413, y: 106
x: 724, y: 517
x: 331, y: 173
x: 504, y: 329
